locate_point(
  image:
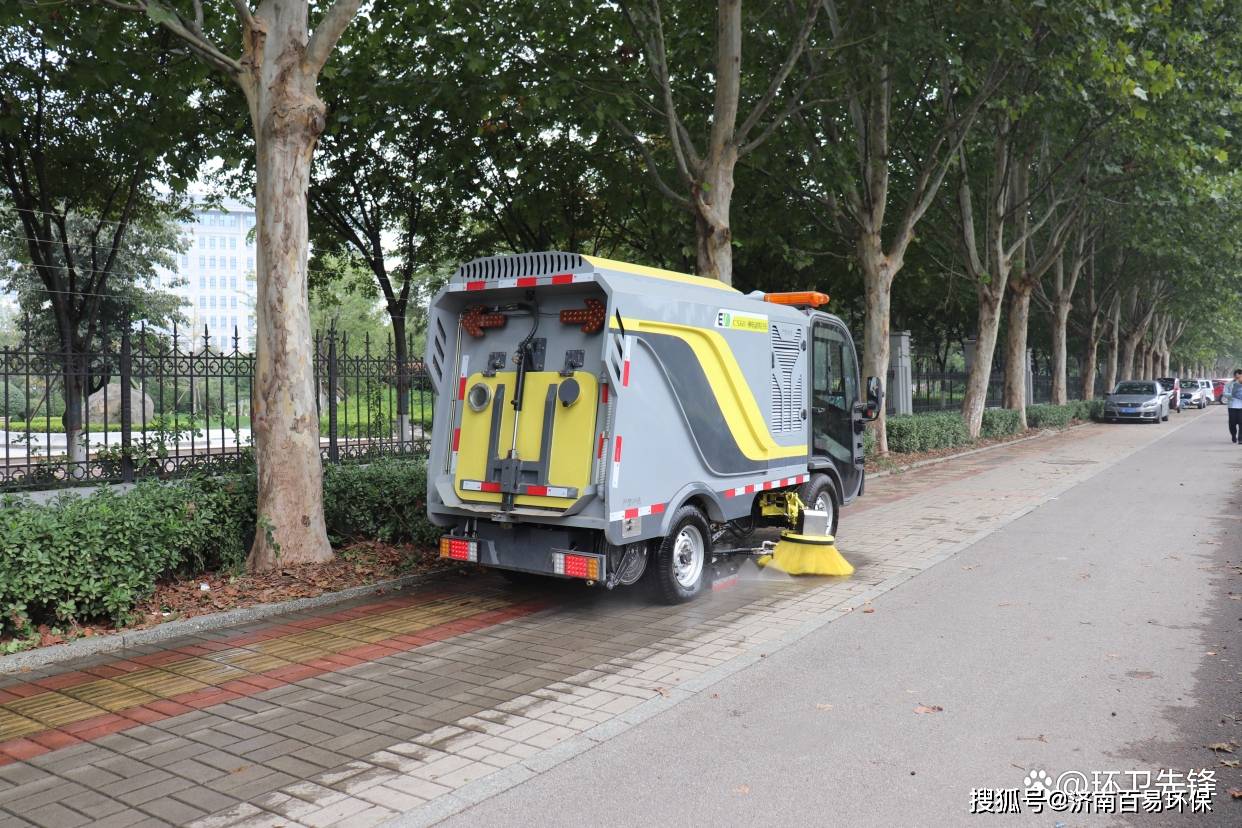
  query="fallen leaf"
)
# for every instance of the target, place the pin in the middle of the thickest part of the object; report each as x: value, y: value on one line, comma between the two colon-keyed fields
x: 968, y: 568
x: 1231, y: 763
x: 664, y: 691
x: 869, y: 609
x: 1219, y: 747
x: 925, y: 708
x: 715, y: 695
x: 1039, y: 738
x: 1236, y: 793
x: 742, y: 789
x: 823, y: 707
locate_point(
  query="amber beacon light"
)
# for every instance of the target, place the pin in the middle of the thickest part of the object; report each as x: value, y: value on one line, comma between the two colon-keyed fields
x: 804, y: 298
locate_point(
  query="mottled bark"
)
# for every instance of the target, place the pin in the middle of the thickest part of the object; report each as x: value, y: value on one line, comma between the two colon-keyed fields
x: 1114, y: 340
x: 976, y: 397
x: 1019, y: 305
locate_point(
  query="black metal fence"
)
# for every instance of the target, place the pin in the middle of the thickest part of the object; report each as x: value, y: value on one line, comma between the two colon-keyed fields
x: 159, y: 405
x: 945, y: 390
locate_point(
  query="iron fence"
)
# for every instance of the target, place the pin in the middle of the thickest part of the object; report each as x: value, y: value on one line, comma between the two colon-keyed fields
x: 154, y: 404
x: 945, y: 390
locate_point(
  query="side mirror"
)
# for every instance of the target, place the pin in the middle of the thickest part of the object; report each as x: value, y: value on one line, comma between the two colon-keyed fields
x: 875, y: 399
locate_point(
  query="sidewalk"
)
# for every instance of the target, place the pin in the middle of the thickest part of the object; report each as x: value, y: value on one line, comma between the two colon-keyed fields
x: 436, y: 698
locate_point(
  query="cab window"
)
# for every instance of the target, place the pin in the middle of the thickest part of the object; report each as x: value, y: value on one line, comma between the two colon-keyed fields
x: 834, y: 391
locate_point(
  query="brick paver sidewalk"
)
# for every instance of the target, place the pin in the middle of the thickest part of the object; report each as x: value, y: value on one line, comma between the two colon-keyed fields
x: 438, y: 697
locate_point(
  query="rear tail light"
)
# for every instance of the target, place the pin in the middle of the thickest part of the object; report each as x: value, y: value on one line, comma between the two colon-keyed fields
x: 459, y: 549
x: 575, y: 566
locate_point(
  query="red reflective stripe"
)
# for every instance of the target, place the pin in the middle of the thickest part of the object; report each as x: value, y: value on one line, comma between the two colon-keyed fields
x: 616, y: 453
x: 540, y: 491
x: 490, y: 487
x: 631, y: 513
x: 605, y: 390
x: 563, y: 279
x: 461, y: 388
x: 600, y: 451
x: 477, y: 285
x: 527, y: 281
x: 657, y: 508
x: 456, y: 438
x: 625, y: 375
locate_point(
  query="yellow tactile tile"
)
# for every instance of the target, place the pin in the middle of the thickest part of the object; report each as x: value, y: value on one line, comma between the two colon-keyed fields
x: 13, y: 726
x: 358, y: 633
x: 205, y: 670
x: 108, y: 694
x: 53, y: 709
x: 249, y: 660
x: 161, y: 682
x: 290, y: 648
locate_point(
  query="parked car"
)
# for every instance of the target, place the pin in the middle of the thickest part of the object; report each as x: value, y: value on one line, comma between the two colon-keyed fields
x: 1194, y: 395
x: 1173, y: 387
x: 1209, y: 395
x: 1142, y: 400
x: 1218, y: 390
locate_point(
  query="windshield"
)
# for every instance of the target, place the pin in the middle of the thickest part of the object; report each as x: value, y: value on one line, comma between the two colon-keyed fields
x: 1167, y: 383
x: 1135, y: 388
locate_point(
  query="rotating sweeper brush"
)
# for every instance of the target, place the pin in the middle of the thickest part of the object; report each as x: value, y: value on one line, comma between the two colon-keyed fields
x: 810, y: 550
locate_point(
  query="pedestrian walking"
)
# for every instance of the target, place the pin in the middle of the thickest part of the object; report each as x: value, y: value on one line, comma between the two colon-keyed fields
x: 1233, y: 396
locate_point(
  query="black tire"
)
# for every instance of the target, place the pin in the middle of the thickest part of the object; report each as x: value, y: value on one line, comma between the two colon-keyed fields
x: 820, y: 485
x: 675, y: 578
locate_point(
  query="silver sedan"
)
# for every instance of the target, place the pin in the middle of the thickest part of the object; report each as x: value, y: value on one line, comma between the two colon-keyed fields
x: 1142, y: 400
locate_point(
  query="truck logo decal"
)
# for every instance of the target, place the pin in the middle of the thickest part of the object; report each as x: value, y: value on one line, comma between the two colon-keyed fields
x: 741, y: 321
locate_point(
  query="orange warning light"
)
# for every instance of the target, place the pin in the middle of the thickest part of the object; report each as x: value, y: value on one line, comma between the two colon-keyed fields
x: 476, y: 319
x: 591, y: 318
x: 807, y: 298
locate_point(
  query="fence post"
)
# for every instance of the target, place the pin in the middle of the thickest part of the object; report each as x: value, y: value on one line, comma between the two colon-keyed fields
x: 127, y: 413
x: 900, y: 387
x: 333, y: 451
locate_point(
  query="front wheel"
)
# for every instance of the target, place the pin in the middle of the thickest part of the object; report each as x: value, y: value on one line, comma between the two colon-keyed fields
x: 820, y: 495
x: 677, y: 571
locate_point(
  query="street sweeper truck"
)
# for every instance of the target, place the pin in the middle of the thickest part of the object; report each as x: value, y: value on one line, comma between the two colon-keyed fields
x: 606, y: 421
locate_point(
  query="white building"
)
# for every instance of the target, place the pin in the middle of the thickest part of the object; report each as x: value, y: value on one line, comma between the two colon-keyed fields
x: 218, y: 273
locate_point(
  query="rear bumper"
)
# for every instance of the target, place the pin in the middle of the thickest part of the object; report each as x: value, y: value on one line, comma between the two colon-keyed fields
x: 1141, y: 415
x: 554, y: 552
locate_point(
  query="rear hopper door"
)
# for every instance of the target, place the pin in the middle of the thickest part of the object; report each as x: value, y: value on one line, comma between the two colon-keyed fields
x: 555, y: 439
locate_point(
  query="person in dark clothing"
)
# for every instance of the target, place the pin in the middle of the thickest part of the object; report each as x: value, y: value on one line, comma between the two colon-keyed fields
x: 1232, y: 397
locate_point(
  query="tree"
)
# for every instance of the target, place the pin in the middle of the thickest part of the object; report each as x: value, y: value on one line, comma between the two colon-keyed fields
x: 78, y: 168
x: 912, y: 82
x: 677, y: 98
x: 277, y: 71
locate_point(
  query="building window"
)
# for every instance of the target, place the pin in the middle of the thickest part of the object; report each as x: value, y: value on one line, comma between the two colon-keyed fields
x: 233, y: 299
x: 185, y: 261
x: 202, y: 301
x: 211, y: 302
x: 250, y: 264
x: 202, y: 282
x: 232, y: 263
x: 212, y: 282
x: 233, y: 281
x: 202, y: 261
x: 233, y: 243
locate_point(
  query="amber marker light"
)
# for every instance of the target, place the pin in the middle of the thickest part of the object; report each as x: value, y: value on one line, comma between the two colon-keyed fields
x: 805, y: 298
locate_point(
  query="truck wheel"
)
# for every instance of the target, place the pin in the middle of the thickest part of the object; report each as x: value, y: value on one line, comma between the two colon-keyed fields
x: 677, y: 571
x: 819, y: 494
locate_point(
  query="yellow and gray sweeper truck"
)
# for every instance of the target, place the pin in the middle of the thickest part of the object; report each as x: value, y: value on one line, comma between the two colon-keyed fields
x: 600, y: 420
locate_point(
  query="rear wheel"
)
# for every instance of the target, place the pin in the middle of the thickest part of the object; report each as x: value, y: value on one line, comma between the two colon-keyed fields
x: 819, y: 494
x: 677, y: 571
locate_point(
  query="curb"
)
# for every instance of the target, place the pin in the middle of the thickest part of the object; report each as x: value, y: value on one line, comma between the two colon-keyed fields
x: 97, y: 645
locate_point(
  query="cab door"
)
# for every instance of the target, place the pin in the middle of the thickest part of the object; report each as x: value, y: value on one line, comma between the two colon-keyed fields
x: 836, y: 407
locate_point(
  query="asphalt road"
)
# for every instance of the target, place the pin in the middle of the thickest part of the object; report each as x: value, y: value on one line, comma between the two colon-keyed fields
x: 1099, y: 632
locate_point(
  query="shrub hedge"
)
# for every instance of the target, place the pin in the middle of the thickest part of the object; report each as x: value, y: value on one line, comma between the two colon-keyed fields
x: 94, y: 557
x: 946, y: 429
